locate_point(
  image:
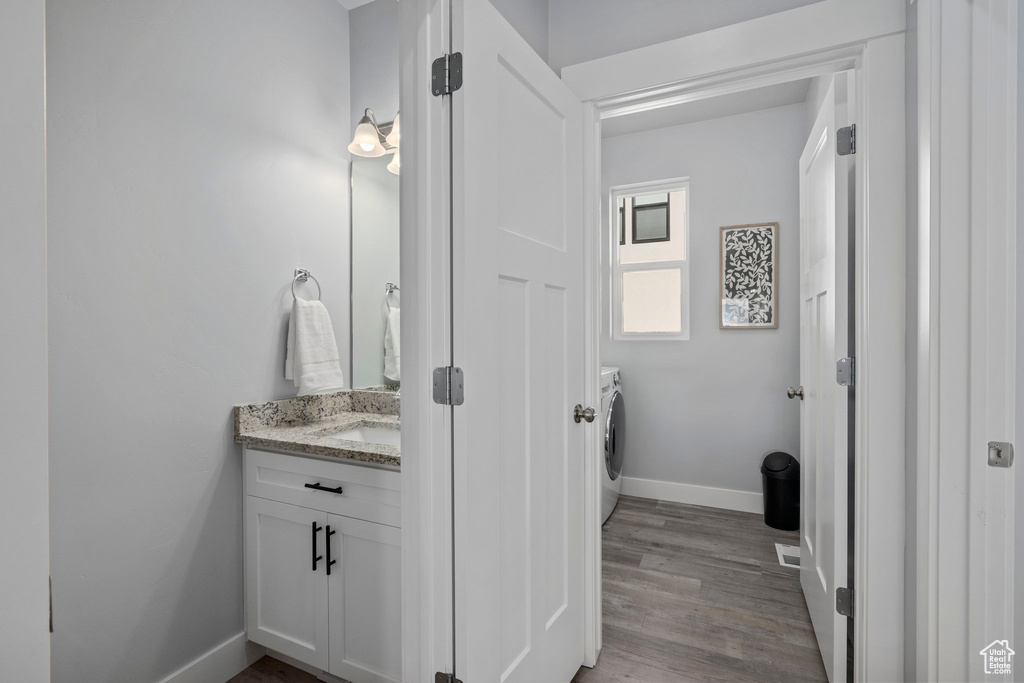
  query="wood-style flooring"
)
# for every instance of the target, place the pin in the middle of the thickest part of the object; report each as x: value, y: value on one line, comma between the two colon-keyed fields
x: 697, y: 594
x: 270, y: 670
x: 690, y: 594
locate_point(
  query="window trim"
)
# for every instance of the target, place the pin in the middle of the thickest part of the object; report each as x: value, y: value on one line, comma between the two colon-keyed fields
x: 616, y: 269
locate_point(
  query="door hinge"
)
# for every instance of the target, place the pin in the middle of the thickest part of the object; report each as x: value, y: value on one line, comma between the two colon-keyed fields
x: 445, y: 678
x: 844, y: 601
x: 51, y: 603
x: 446, y: 74
x: 1000, y: 454
x: 846, y: 372
x: 846, y: 140
x: 449, y: 386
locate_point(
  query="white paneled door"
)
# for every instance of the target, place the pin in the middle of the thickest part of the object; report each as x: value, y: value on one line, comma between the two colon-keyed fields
x: 519, y: 326
x: 824, y: 413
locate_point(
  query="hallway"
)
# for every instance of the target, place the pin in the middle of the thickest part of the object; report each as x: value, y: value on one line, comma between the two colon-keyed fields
x: 696, y: 593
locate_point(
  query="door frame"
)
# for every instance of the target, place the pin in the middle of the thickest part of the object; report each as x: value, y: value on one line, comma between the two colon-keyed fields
x: 867, y: 37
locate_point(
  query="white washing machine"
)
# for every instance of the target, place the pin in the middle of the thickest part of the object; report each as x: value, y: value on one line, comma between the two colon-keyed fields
x: 613, y: 420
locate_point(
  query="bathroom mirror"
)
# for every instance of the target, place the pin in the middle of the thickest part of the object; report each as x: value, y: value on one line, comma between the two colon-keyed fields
x: 374, y: 196
x: 376, y: 290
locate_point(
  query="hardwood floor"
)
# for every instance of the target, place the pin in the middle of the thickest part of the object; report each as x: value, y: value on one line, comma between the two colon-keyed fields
x: 270, y: 670
x: 697, y: 594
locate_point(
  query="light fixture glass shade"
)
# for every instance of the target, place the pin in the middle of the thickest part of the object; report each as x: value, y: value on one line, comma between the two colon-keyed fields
x: 366, y: 141
x: 396, y: 164
x: 395, y: 135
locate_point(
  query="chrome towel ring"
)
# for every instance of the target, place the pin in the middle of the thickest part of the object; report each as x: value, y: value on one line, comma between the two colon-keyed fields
x: 302, y: 275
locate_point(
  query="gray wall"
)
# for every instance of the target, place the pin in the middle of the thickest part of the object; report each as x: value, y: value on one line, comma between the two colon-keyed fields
x: 375, y: 248
x: 685, y: 399
x: 581, y: 30
x: 196, y: 157
x: 24, y: 638
x: 530, y: 19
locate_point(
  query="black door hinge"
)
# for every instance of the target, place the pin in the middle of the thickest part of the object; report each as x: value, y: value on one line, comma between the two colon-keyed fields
x: 445, y: 678
x: 446, y: 74
x: 846, y: 140
x: 844, y: 601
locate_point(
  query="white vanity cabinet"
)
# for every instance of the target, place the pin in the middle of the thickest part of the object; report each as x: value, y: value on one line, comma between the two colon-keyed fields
x: 305, y: 517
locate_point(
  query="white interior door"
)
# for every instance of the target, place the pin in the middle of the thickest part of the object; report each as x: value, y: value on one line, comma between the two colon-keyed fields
x: 824, y: 335
x: 518, y: 335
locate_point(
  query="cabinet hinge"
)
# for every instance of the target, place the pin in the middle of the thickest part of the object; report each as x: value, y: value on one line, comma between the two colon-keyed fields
x: 449, y: 386
x: 445, y: 678
x: 846, y: 372
x: 446, y: 74
x: 846, y: 140
x: 844, y: 601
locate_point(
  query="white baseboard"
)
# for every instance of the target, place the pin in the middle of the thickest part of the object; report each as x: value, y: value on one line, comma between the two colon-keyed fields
x: 691, y: 494
x: 219, y: 664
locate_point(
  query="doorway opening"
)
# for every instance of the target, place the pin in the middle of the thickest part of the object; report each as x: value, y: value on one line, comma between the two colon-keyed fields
x: 700, y: 335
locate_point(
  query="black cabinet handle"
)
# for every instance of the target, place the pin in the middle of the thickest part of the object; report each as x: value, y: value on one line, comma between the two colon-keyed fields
x: 330, y: 532
x: 320, y: 487
x: 316, y: 558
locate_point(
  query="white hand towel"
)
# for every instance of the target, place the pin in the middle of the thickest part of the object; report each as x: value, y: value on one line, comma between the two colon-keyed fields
x: 312, y: 361
x: 392, y: 346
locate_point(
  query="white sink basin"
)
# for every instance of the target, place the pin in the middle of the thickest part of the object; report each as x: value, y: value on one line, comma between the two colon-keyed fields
x: 380, y: 435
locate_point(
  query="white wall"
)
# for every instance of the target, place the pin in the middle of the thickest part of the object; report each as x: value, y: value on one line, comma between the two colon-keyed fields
x: 375, y: 249
x: 24, y: 565
x: 705, y: 411
x: 581, y: 30
x: 196, y: 157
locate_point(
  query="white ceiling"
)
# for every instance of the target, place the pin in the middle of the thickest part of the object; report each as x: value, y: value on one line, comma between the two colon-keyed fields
x: 767, y: 97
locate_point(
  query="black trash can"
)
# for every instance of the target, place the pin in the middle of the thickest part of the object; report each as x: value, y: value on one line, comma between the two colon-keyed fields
x: 780, y: 479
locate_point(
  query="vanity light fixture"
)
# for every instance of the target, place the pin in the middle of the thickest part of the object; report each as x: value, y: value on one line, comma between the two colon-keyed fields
x: 393, y: 137
x: 396, y: 164
x: 372, y: 139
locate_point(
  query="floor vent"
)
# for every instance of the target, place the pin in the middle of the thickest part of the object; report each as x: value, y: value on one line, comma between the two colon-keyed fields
x: 789, y: 555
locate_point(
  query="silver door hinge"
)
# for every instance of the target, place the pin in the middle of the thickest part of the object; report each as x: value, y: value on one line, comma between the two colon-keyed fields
x: 846, y: 140
x: 846, y: 372
x: 1000, y: 453
x: 446, y: 74
x: 449, y: 386
x: 445, y: 678
x: 844, y: 601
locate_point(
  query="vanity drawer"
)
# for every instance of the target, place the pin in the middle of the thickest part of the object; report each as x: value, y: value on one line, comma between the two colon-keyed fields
x: 366, y: 492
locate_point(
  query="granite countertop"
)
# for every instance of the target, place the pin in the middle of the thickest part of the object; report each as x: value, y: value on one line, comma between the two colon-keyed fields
x: 303, y: 425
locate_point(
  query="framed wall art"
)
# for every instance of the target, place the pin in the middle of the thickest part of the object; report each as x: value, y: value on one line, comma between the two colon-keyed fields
x: 749, y: 285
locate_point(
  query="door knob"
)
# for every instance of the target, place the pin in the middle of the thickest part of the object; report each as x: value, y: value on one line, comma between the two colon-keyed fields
x: 793, y: 393
x: 581, y: 413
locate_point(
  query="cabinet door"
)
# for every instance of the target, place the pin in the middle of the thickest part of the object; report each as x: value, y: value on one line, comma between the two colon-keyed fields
x: 366, y: 601
x: 286, y: 599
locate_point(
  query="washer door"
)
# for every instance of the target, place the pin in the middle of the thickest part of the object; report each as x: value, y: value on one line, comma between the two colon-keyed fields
x: 615, y: 436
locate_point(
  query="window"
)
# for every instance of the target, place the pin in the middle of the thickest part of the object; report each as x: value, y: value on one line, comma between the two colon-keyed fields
x: 650, y: 271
